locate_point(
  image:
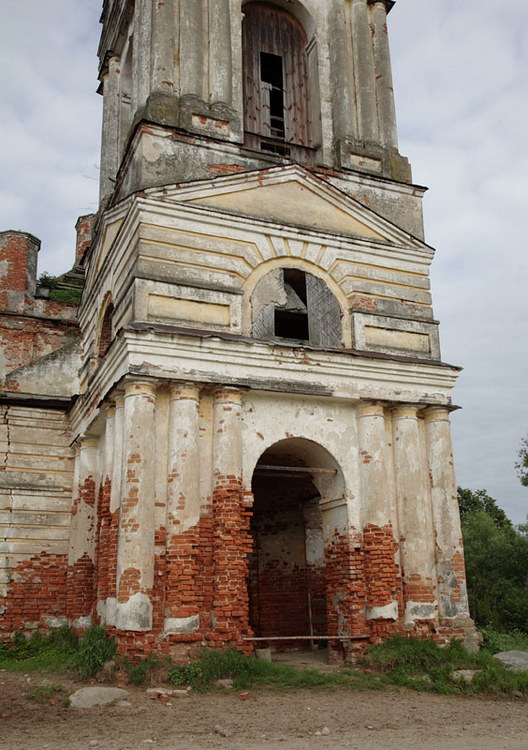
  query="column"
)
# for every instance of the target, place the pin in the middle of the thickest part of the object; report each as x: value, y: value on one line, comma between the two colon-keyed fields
x: 220, y: 46
x: 365, y: 74
x: 110, y: 132
x: 446, y: 517
x: 135, y: 558
x: 232, y: 540
x: 192, y: 44
x: 380, y: 547
x: 142, y: 62
x: 164, y: 34
x: 384, y: 87
x: 182, y: 604
x: 103, y: 513
x: 414, y: 507
x: 81, y: 555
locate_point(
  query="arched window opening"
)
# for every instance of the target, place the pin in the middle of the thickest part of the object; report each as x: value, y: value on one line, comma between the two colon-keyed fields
x: 289, y: 303
x: 105, y: 335
x: 276, y: 89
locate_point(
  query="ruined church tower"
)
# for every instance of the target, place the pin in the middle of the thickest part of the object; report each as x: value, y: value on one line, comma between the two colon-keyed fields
x: 259, y: 440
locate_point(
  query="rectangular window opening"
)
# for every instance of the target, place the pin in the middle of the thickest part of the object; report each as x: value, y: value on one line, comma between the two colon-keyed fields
x: 271, y: 72
x: 291, y: 325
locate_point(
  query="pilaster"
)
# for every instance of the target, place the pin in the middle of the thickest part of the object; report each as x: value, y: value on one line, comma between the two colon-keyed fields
x: 384, y: 87
x: 110, y: 130
x: 452, y: 594
x: 380, y: 547
x: 232, y: 541
x: 142, y: 62
x: 414, y: 507
x: 135, y: 562
x: 365, y: 73
x: 183, y: 511
x: 82, y: 548
x: 220, y: 52
x: 192, y: 46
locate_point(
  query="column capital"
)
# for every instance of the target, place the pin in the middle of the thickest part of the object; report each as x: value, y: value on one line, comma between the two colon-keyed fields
x: 387, y: 4
x: 405, y: 411
x: 184, y: 391
x: 370, y: 409
x: 226, y: 394
x: 137, y: 386
x: 436, y: 413
x: 88, y: 441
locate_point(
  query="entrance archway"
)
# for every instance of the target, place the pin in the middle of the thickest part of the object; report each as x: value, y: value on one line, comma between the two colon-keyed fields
x: 297, y: 486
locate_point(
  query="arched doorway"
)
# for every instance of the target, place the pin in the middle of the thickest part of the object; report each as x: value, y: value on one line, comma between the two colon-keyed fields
x: 296, y: 485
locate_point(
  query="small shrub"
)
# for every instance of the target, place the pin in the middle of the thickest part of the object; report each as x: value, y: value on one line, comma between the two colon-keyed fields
x: 95, y: 648
x: 139, y: 673
x: 45, y: 693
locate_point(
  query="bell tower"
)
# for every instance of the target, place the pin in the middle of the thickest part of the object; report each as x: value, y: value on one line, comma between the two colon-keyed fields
x: 262, y: 426
x: 190, y: 84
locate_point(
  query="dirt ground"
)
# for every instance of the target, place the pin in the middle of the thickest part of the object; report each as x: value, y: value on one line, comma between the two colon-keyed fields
x: 259, y: 721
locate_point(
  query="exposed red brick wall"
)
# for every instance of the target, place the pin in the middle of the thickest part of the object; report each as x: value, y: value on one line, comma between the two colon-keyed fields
x: 37, y: 591
x: 81, y: 574
x: 232, y: 545
x: 382, y: 574
x: 30, y: 327
x: 106, y: 545
x: 346, y: 590
x: 84, y: 229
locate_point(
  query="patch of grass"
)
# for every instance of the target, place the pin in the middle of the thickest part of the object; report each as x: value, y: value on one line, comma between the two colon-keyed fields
x: 493, y: 642
x: 425, y: 666
x: 247, y: 672
x: 45, y: 693
x: 58, y: 651
x: 95, y: 648
x: 138, y: 674
x: 55, y: 652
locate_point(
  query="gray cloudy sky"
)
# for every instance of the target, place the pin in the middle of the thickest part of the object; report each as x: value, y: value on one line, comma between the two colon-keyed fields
x: 460, y: 70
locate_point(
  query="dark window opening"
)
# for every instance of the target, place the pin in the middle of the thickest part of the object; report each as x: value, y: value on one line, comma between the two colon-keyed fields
x: 273, y: 148
x: 292, y: 325
x: 105, y: 337
x: 297, y: 280
x: 271, y: 73
x: 291, y: 320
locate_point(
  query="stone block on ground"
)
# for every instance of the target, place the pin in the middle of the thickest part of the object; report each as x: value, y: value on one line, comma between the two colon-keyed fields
x: 516, y: 661
x: 89, y: 697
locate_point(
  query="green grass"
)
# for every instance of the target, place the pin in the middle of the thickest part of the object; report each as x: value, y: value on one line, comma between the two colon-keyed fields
x: 247, y: 672
x: 45, y: 693
x: 417, y: 664
x: 494, y: 642
x: 59, y: 651
x: 424, y: 665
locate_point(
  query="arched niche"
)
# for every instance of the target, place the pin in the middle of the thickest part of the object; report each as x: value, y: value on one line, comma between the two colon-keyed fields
x: 280, y: 76
x: 291, y: 304
x: 106, y: 331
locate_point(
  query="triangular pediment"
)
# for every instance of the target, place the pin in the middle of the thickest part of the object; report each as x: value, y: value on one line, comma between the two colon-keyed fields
x: 290, y: 203
x: 291, y: 196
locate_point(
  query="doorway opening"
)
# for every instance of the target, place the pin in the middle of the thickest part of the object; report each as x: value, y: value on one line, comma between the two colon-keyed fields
x: 287, y: 579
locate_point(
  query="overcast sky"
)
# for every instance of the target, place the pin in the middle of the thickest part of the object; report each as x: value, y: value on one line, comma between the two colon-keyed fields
x: 460, y: 69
